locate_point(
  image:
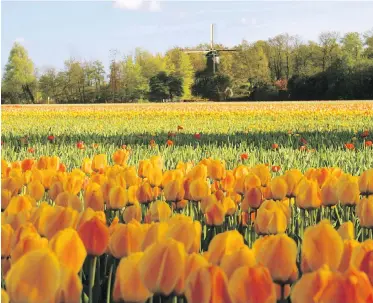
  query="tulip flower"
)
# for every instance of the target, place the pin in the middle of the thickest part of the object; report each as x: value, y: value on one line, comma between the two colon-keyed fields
x: 215, y: 214
x: 63, y: 243
x: 95, y: 236
x: 322, y: 245
x: 199, y: 189
x: 348, y: 248
x: 279, y: 188
x: 132, y: 212
x: 308, y: 194
x: 174, y: 191
x: 346, y: 231
x: 208, y: 284
x: 4, y: 296
x: 311, y: 285
x: 160, y: 211
x: 223, y: 244
x: 262, y: 171
x: 252, y: 284
x: 121, y: 157
x: 362, y: 258
x: 364, y: 212
x: 187, y: 232
x: 348, y: 190
x: 128, y: 278
x: 70, y: 288
x: 156, y: 233
x: 366, y: 182
x: 242, y: 257
x: 6, y: 236
x: 27, y: 244
x: 160, y: 257
x: 270, y: 218
x: 253, y: 199
x: 93, y: 197
x: 35, y: 278
x: 278, y: 253
x: 145, y: 194
x: 216, y: 170
x: 118, y: 198
x: 329, y: 192
x: 55, y: 189
x: 125, y: 240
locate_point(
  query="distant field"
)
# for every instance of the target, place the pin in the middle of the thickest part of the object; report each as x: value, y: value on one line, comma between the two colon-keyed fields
x: 219, y: 130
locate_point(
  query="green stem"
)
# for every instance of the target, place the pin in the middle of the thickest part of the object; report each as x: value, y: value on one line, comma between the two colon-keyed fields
x: 92, y: 274
x: 108, y: 295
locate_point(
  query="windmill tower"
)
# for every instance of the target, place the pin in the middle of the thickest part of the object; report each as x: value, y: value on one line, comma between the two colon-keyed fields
x: 212, y: 54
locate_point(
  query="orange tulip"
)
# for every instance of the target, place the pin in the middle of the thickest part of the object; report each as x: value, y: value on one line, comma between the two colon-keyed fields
x: 174, y: 191
x: 94, y: 197
x: 187, y: 232
x: 55, y: 189
x: 216, y: 170
x: 156, y: 233
x: 199, y: 189
x: 121, y: 157
x: 279, y: 188
x: 270, y: 218
x: 362, y: 258
x: 311, y: 285
x: 208, y: 284
x: 67, y: 199
x: 27, y: 244
x: 215, y: 214
x: 4, y: 296
x: 57, y: 219
x: 118, y: 198
x: 252, y: 285
x: 346, y: 231
x: 145, y: 194
x: 95, y: 236
x: 253, y: 198
x: 348, y: 192
x: 329, y: 192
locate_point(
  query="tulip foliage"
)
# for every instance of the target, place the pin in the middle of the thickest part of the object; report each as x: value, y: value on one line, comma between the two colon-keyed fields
x: 198, y: 232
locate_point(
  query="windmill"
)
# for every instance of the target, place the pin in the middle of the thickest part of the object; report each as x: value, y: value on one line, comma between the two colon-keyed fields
x: 212, y: 54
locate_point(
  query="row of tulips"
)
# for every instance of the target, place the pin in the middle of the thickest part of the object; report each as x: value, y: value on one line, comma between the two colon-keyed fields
x: 102, y: 206
x: 160, y: 261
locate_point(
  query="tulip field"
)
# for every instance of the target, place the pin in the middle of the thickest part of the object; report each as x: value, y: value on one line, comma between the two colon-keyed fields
x: 187, y: 203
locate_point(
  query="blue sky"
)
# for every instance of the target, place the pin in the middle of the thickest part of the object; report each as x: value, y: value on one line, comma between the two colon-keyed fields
x: 52, y: 31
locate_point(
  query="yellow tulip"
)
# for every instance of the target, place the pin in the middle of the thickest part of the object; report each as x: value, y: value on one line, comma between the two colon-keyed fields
x: 279, y: 188
x: 125, y: 240
x: 160, y: 211
x: 348, y: 192
x: 270, y: 218
x: 216, y: 170
x: 187, y: 232
x: 292, y: 177
x: 6, y: 237
x: 63, y: 243
x: 118, y: 198
x: 156, y: 233
x: 99, y: 162
x: 364, y: 211
x: 223, y: 244
x: 36, y: 190
x: 70, y: 287
x: 242, y: 257
x: 27, y: 244
x: 346, y: 231
x: 278, y: 253
x: 35, y: 278
x: 6, y: 196
x: 329, y: 192
x: 128, y: 278
x: 55, y: 189
x: 160, y: 257
x: 366, y: 182
x: 132, y: 212
x: 155, y: 176
x: 145, y: 194
x: 199, y: 189
x: 174, y: 191
x: 121, y: 157
x: 322, y: 245
x: 262, y: 171
x: 58, y: 219
x: 308, y: 194
x: 67, y: 199
x: 348, y: 248
x: 4, y: 296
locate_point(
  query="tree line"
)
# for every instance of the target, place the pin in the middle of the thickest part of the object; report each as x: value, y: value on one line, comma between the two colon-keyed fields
x: 281, y: 68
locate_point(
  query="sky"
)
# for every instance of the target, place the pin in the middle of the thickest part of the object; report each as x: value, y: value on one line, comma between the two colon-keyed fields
x: 54, y: 31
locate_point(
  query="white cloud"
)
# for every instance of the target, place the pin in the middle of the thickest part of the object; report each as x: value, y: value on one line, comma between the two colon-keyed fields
x: 152, y: 5
x: 243, y: 20
x: 128, y: 4
x: 19, y: 40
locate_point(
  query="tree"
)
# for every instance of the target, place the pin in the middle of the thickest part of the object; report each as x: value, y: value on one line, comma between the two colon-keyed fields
x: 19, y: 79
x: 329, y: 48
x: 352, y: 47
x: 213, y: 87
x: 163, y: 86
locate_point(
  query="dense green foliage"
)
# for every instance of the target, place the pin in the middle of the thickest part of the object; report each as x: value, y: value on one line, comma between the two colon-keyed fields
x: 334, y: 67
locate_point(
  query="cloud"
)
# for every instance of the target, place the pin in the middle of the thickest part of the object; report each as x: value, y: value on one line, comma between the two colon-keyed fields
x: 19, y: 40
x: 243, y: 20
x: 153, y: 6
